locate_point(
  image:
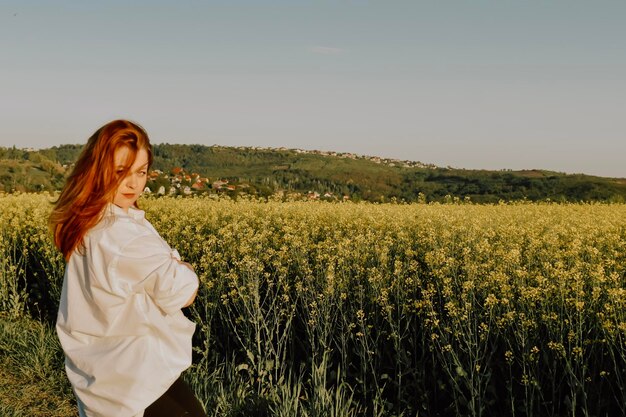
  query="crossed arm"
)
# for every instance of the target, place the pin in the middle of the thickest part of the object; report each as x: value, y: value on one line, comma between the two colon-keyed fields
x: 193, y: 297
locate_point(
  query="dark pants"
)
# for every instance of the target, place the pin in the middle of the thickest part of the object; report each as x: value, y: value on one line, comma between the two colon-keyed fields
x: 178, y: 401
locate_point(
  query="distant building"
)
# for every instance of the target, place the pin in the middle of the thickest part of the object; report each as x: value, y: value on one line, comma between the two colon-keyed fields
x: 217, y: 185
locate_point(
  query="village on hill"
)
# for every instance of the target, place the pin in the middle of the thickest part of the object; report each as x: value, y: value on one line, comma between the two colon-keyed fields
x: 376, y: 159
x: 179, y: 182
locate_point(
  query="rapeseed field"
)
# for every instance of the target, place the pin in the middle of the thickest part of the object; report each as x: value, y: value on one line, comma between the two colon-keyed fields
x: 346, y: 309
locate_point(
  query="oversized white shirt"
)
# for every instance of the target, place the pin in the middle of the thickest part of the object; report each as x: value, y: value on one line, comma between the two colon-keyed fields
x: 120, y: 322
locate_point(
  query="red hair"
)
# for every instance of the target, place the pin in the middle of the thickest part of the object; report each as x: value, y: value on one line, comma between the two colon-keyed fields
x: 94, y: 182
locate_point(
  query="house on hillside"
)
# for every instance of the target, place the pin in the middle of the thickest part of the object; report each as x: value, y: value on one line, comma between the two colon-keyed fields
x: 217, y: 185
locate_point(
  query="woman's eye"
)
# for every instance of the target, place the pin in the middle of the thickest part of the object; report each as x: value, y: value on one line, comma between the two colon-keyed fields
x: 142, y: 173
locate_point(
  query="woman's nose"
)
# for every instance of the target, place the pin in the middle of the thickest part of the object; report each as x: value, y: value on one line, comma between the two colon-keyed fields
x: 131, y: 182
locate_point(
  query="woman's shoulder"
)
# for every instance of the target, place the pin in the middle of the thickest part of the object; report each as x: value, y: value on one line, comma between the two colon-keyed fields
x: 116, y: 229
x: 125, y: 241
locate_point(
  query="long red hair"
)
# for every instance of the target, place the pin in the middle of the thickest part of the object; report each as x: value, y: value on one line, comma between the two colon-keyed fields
x: 94, y: 182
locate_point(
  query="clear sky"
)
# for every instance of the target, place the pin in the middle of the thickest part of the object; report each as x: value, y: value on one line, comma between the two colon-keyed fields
x: 469, y: 84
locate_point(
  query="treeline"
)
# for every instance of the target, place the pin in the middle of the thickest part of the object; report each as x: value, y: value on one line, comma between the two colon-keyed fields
x: 263, y: 172
x: 31, y: 171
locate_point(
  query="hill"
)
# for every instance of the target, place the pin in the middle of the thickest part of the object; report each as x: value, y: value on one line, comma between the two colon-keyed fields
x: 265, y: 171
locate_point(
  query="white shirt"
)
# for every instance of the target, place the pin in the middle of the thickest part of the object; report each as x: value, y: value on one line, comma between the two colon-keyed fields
x: 120, y: 322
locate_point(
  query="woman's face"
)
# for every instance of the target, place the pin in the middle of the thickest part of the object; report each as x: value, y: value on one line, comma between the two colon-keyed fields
x: 133, y: 184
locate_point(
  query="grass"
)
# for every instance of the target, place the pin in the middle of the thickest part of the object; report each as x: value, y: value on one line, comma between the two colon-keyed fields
x: 32, y: 380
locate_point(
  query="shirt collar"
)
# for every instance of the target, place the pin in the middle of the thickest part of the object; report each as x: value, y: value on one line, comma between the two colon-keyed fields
x: 133, y: 212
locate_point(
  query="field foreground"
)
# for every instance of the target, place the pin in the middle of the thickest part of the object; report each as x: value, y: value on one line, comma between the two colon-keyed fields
x: 320, y: 309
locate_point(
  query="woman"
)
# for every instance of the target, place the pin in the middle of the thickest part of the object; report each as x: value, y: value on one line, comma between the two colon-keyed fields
x: 125, y: 338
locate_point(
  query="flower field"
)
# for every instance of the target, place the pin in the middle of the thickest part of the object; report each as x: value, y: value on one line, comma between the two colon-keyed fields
x: 324, y: 309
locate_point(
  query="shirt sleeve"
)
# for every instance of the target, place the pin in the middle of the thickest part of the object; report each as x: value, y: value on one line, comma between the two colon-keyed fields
x: 147, y: 264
